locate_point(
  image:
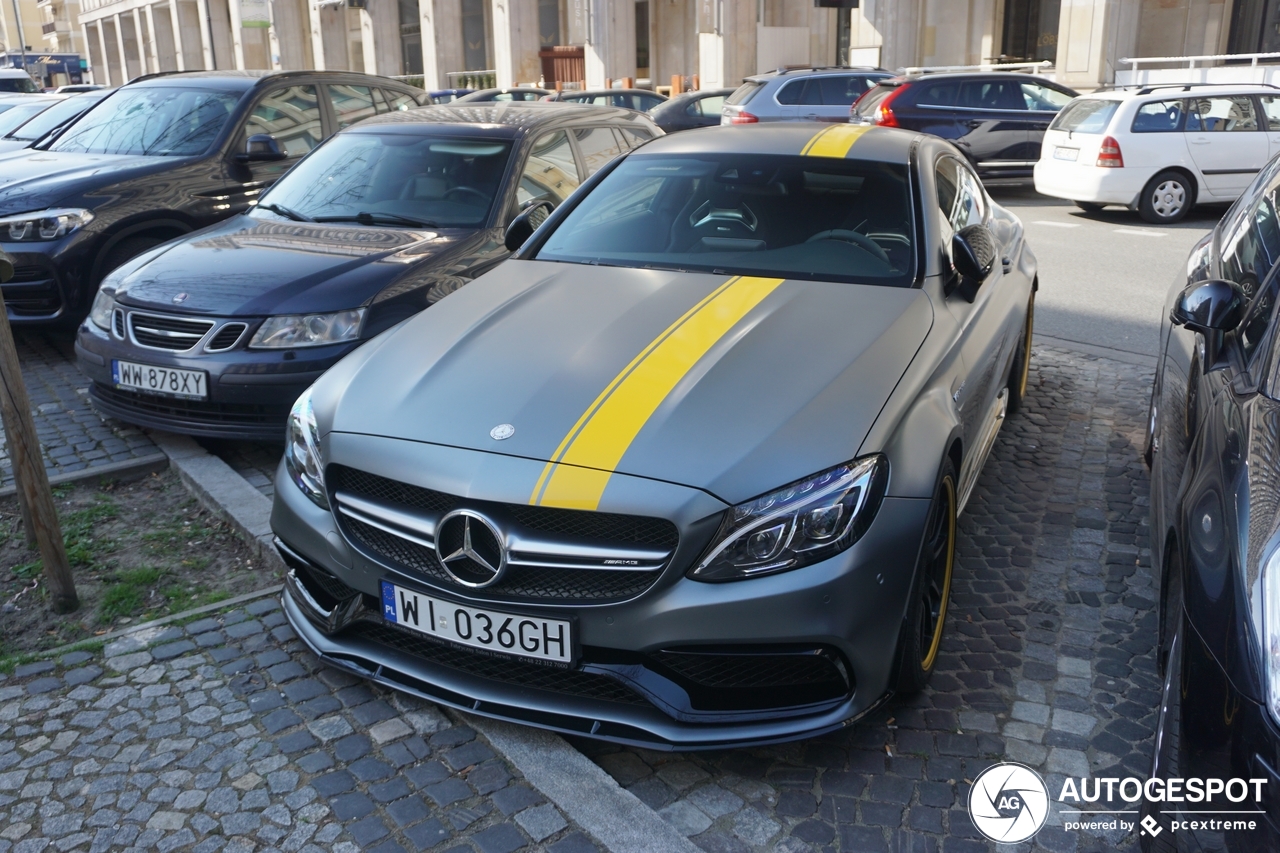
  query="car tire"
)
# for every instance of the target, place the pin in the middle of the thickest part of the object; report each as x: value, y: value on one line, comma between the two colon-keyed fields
x: 1020, y: 373
x: 920, y: 640
x: 1166, y: 753
x: 1166, y: 198
x: 1090, y: 206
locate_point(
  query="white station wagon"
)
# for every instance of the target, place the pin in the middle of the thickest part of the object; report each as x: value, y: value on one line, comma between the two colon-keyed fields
x: 1160, y: 149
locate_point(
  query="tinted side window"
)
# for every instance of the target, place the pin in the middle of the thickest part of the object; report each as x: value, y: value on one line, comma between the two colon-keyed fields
x: 1271, y: 111
x: 1159, y: 117
x: 842, y: 91
x: 792, y: 93
x: 745, y: 92
x: 1261, y: 248
x: 550, y: 173
x: 937, y: 95
x: 351, y: 103
x: 1222, y: 115
x: 291, y: 115
x: 992, y: 95
x: 598, y: 146
x: 960, y: 195
x: 1252, y: 247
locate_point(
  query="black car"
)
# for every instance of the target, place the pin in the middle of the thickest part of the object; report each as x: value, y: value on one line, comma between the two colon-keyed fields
x: 159, y: 158
x: 54, y: 117
x: 690, y: 109
x: 641, y: 100
x: 996, y: 118
x: 524, y: 93
x: 1213, y: 444
x: 217, y: 333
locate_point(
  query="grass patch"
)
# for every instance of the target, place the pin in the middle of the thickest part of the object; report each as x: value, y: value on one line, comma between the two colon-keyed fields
x: 130, y: 590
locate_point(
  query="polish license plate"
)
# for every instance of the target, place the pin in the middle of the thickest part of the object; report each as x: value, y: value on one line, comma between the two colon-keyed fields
x: 529, y: 637
x: 192, y: 384
x: 1066, y: 153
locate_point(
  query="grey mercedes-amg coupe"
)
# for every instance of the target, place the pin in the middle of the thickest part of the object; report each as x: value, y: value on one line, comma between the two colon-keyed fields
x: 685, y: 470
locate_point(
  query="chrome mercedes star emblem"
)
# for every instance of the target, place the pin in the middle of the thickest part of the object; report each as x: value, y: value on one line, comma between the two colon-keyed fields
x: 502, y: 431
x: 180, y: 298
x: 471, y: 547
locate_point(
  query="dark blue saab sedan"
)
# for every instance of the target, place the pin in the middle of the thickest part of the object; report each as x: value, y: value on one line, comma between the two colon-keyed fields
x: 216, y: 333
x: 1213, y: 443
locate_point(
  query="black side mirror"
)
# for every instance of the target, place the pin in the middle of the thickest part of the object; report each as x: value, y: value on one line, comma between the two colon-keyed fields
x: 973, y: 253
x: 523, y: 226
x: 1209, y: 306
x: 262, y: 147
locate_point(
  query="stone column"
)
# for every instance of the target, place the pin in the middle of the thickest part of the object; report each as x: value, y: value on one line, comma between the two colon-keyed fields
x: 1092, y: 35
x: 146, y: 40
x: 380, y: 38
x: 442, y: 49
x: 515, y: 40
x: 725, y: 57
x: 163, y: 32
x: 206, y: 37
x: 329, y: 36
x: 237, y: 34
x: 291, y: 24
x: 611, y: 55
x: 120, y: 51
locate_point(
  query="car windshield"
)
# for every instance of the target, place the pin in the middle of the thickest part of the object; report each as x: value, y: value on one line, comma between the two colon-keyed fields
x: 394, y: 178
x: 20, y: 114
x: 18, y: 84
x: 1088, y: 115
x: 746, y: 214
x: 173, y: 122
x: 56, y: 116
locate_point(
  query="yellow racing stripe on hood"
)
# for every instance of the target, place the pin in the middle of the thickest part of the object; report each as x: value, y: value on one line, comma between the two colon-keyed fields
x: 592, y: 449
x: 834, y: 141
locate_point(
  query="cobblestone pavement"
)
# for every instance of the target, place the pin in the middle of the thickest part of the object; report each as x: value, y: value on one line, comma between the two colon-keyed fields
x: 1048, y: 658
x: 222, y: 735
x: 73, y: 436
x: 255, y: 461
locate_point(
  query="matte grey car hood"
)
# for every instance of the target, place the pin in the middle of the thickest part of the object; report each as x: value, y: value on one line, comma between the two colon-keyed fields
x: 788, y: 388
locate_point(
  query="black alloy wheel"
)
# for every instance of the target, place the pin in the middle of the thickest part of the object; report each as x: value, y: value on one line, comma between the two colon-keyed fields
x: 926, y: 619
x: 1020, y: 373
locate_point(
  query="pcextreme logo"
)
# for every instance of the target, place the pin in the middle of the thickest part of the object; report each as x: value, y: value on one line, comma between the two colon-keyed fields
x: 1010, y: 803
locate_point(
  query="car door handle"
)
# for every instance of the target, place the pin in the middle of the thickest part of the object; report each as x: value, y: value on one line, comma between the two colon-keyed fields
x: 1200, y: 140
x: 973, y: 122
x: 1007, y: 263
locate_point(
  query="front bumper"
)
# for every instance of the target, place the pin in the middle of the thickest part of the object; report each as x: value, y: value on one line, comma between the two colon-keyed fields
x: 852, y: 605
x: 48, y: 282
x: 250, y: 391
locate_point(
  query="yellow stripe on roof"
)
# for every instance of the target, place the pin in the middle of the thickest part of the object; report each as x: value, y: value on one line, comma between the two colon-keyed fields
x: 834, y: 141
x: 580, y: 469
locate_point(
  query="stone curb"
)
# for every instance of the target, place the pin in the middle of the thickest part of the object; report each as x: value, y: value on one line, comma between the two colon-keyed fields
x: 1135, y: 358
x: 575, y: 783
x: 224, y: 493
x: 125, y: 469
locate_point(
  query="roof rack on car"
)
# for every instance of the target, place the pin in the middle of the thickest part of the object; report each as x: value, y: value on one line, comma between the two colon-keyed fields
x: 1187, y: 87
x: 787, y: 69
x: 1043, y: 67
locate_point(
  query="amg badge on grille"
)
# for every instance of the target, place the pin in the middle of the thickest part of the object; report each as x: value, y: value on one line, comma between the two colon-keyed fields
x: 502, y: 431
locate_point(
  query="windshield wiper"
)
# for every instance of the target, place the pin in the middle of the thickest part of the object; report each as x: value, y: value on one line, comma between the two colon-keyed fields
x: 365, y: 217
x: 285, y: 211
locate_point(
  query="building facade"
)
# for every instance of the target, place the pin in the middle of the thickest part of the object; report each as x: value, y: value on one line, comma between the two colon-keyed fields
x: 449, y: 42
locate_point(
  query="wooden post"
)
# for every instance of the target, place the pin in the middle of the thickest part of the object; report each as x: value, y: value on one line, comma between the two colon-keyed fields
x: 628, y: 82
x: 696, y: 84
x: 677, y: 84
x: 608, y: 82
x: 559, y: 86
x: 13, y: 440
x: 28, y: 467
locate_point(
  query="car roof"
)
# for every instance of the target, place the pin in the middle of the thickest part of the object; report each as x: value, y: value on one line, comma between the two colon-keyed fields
x: 245, y: 80
x: 501, y: 118
x: 585, y: 93
x: 877, y: 144
x: 814, y: 71
x: 1183, y: 89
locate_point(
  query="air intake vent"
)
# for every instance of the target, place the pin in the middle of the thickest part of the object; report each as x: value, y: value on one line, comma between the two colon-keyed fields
x: 226, y: 337
x: 117, y: 321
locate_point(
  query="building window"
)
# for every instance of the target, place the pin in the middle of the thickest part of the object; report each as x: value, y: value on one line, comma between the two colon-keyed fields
x: 642, y: 38
x: 410, y: 37
x: 475, y: 52
x: 1255, y: 27
x: 1030, y: 30
x: 548, y: 23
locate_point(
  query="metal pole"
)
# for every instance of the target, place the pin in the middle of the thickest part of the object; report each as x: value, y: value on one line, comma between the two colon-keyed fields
x: 22, y: 37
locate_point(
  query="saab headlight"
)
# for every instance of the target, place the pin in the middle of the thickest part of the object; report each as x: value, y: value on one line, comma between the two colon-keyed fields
x: 100, y: 313
x: 308, y: 330
x: 805, y: 522
x: 41, y: 225
x: 302, y: 451
x: 1271, y: 629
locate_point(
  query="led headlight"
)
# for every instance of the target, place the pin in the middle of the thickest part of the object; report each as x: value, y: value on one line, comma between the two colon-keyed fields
x: 103, y: 303
x: 41, y: 225
x: 302, y: 451
x: 308, y: 330
x: 799, y: 524
x: 1271, y: 629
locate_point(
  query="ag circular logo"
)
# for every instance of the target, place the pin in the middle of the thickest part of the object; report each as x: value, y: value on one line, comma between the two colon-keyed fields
x: 1008, y: 802
x: 502, y: 432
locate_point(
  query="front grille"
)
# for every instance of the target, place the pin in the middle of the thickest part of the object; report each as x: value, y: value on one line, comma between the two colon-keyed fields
x: 226, y: 337
x: 344, y: 479
x: 750, y: 670
x: 117, y: 321
x: 231, y: 414
x: 166, y: 332
x: 524, y: 582
x: 567, y: 681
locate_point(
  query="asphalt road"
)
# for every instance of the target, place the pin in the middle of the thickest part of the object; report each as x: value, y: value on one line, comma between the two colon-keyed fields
x: 1103, y: 276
